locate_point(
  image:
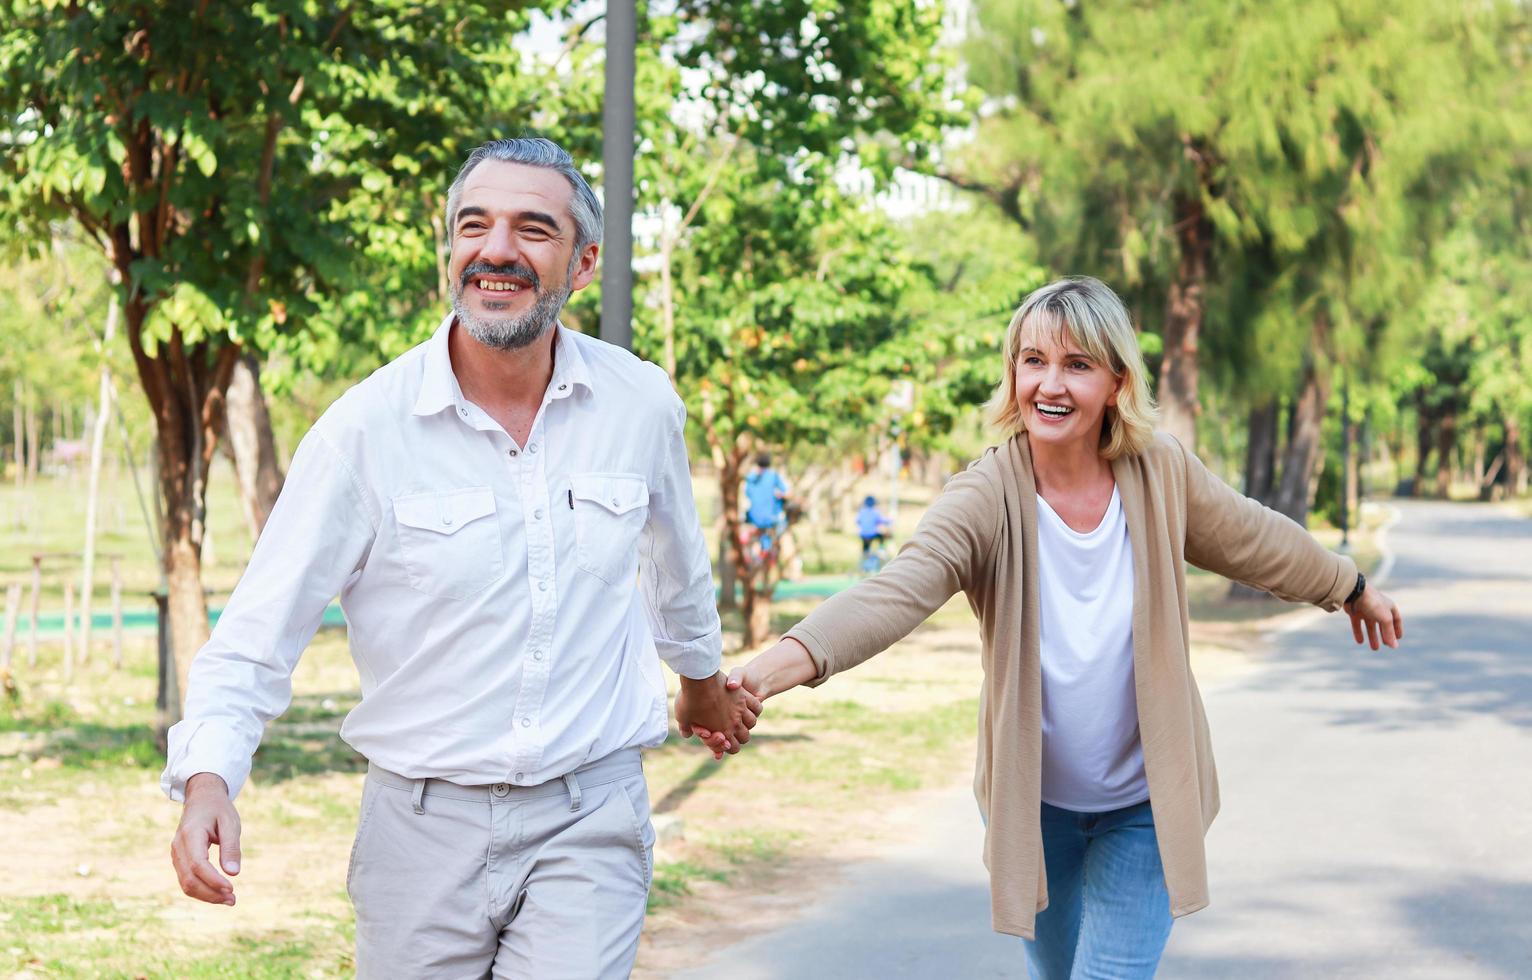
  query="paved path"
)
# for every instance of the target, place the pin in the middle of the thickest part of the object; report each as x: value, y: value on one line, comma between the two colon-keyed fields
x: 1377, y: 813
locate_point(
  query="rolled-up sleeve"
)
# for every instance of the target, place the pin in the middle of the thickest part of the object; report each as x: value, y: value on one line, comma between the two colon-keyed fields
x: 675, y: 575
x: 317, y: 536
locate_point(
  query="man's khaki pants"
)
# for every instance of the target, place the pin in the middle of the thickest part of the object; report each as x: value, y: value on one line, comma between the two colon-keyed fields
x: 543, y: 882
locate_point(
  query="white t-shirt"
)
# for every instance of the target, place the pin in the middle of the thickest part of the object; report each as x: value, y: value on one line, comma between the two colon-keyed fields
x: 1092, y: 758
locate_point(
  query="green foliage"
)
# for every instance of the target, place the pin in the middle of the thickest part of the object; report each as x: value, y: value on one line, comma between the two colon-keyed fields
x: 1321, y: 140
x: 786, y: 297
x: 779, y: 292
x: 814, y: 80
x: 256, y: 169
x: 978, y: 268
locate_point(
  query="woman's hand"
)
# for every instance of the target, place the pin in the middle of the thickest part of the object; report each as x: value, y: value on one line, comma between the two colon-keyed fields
x: 781, y: 668
x: 1374, y: 611
x: 778, y: 669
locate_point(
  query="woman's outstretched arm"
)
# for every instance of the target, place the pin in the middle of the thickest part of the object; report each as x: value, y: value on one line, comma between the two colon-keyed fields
x: 1239, y: 538
x: 949, y: 552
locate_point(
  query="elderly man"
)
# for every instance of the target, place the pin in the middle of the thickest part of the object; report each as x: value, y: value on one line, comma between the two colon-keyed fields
x: 506, y: 513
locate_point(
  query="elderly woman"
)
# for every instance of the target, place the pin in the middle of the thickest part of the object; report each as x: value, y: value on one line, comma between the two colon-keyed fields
x: 1095, y: 772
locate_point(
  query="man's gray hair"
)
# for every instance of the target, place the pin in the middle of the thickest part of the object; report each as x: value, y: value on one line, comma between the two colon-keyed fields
x: 534, y: 151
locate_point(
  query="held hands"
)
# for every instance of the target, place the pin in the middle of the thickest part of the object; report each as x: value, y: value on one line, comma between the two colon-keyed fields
x: 208, y: 818
x: 720, y: 716
x: 778, y: 669
x: 1378, y: 614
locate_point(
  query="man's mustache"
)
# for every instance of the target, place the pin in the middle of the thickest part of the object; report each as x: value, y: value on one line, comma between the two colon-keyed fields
x: 514, y: 269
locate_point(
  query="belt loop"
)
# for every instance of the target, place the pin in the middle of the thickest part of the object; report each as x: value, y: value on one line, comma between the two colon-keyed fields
x: 417, y: 798
x: 573, y: 785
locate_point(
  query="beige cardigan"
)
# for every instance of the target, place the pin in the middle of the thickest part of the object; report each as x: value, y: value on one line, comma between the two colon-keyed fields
x: 980, y: 537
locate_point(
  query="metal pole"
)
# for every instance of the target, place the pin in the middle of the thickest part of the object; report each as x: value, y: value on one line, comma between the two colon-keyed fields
x: 1345, y: 480
x: 617, y: 174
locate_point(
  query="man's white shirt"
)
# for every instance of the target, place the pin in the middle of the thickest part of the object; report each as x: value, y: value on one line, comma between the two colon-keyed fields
x: 505, y: 603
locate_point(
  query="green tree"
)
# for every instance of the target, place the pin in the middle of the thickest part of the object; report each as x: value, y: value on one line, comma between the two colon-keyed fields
x: 233, y: 163
x: 774, y: 290
x: 1201, y: 155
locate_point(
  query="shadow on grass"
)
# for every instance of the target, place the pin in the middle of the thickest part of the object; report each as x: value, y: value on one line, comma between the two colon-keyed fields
x: 54, y: 732
x: 707, y: 769
x: 308, y: 709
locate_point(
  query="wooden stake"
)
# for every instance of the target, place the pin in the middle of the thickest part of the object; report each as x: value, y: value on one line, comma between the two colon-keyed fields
x: 12, y: 614
x: 116, y: 613
x: 37, y: 590
x: 68, y: 629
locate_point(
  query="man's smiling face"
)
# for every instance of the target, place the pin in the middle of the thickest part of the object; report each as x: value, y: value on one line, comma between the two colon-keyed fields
x: 514, y: 261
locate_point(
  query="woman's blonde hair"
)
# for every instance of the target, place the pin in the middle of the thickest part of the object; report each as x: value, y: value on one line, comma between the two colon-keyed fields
x: 1084, y: 312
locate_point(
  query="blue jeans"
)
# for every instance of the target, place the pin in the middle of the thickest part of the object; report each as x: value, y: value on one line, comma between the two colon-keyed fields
x: 1108, y: 914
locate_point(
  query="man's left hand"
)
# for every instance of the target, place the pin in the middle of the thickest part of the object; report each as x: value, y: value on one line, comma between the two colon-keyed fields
x: 722, y: 718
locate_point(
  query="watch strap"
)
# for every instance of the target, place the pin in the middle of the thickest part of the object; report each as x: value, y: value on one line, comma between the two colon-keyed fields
x: 1356, y: 592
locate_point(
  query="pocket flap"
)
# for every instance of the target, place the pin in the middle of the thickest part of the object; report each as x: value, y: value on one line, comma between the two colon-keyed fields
x: 444, y: 511
x: 616, y: 492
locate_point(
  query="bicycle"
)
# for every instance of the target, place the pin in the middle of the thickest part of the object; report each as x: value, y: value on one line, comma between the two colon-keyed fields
x: 875, y: 557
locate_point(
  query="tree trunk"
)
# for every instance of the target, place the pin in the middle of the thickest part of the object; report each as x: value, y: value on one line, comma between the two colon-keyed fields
x: 1425, y: 422
x: 252, y: 444
x: 728, y: 579
x: 1294, y: 492
x: 1352, y: 477
x: 758, y: 621
x: 18, y: 427
x: 1184, y: 308
x: 1261, y: 450
x: 1260, y: 473
x: 1515, y: 457
x: 185, y: 385
x: 728, y: 497
x: 34, y: 444
x: 1446, y: 444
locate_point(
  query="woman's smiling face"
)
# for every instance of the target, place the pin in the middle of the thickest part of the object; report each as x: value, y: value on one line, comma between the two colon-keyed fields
x: 1061, y: 391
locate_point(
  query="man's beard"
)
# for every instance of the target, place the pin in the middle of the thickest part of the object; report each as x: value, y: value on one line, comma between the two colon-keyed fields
x: 512, y: 331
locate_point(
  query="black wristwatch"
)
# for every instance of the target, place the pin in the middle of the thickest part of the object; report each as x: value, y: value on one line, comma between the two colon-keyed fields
x: 1356, y: 593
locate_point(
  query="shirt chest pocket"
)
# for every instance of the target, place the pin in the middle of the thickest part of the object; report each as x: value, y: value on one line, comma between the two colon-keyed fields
x: 449, y: 541
x: 609, y: 510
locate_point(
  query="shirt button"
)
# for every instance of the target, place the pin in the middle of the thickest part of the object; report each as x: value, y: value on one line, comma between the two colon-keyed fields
x: 537, y: 655
x: 563, y: 387
x: 526, y: 723
x: 543, y: 585
x: 532, y: 448
x: 537, y: 514
x: 513, y: 452
x: 446, y: 520
x: 614, y: 502
x: 520, y: 776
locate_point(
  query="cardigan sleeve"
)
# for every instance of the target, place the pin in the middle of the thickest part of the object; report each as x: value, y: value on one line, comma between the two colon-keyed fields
x: 949, y: 551
x: 1241, y: 539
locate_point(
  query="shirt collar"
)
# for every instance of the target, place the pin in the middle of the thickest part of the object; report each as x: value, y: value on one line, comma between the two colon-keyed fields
x: 569, y: 367
x: 439, y: 388
x: 438, y: 385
